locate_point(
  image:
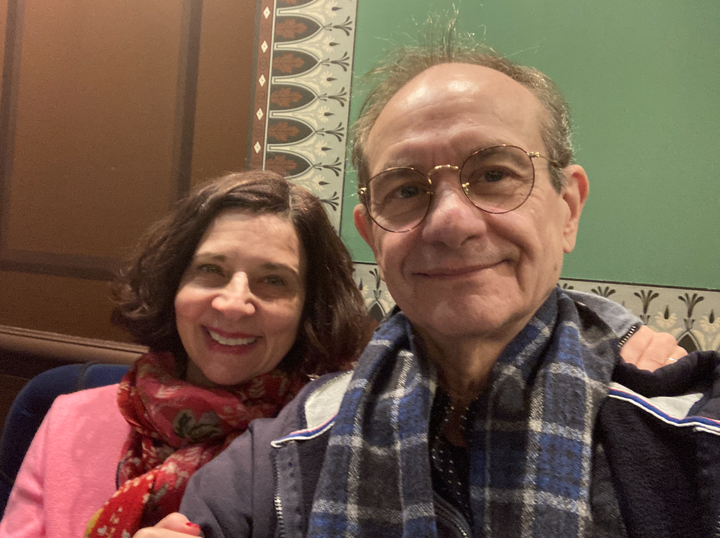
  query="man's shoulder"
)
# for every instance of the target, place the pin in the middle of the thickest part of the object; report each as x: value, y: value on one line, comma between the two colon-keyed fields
x: 311, y: 413
x: 323, y: 398
x: 616, y: 316
x: 244, y: 472
x: 679, y: 394
x: 660, y: 433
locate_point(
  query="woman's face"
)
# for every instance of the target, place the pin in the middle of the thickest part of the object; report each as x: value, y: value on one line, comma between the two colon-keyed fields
x: 240, y: 300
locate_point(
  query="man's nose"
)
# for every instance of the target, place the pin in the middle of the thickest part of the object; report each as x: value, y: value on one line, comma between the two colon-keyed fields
x: 235, y: 300
x: 452, y: 217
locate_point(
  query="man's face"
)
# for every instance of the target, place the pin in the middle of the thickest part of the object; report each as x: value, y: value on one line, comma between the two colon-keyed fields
x: 462, y: 272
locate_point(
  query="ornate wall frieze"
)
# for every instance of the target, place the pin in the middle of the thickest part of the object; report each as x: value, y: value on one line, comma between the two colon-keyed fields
x: 301, y: 109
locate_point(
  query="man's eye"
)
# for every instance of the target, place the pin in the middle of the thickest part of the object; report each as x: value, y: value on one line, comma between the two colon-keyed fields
x: 407, y: 191
x: 493, y: 176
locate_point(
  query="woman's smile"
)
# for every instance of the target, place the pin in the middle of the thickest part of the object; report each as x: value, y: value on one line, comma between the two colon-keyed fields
x: 227, y: 340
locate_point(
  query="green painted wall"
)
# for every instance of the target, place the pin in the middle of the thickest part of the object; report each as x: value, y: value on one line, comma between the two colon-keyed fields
x: 643, y: 82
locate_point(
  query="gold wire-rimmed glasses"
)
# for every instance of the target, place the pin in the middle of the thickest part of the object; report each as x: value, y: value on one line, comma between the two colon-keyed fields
x: 496, y: 180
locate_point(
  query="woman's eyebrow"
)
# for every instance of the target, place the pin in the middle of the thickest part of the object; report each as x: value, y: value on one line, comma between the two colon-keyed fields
x: 271, y: 266
x: 210, y: 256
x: 280, y: 267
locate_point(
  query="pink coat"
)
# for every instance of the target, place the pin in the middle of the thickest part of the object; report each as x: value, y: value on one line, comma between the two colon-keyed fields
x: 69, y: 471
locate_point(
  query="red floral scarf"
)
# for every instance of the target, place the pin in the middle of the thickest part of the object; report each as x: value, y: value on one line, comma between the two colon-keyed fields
x: 177, y: 428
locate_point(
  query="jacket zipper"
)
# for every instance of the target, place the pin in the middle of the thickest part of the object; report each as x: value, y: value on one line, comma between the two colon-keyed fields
x: 628, y: 335
x: 276, y: 499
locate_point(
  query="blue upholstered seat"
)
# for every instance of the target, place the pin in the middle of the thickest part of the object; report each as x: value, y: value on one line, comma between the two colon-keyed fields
x: 33, y: 402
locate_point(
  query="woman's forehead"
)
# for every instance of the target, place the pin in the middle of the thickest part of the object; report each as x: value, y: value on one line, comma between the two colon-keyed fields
x: 239, y: 231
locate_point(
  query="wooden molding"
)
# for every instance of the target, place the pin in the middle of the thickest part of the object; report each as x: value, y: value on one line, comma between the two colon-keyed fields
x: 63, y: 348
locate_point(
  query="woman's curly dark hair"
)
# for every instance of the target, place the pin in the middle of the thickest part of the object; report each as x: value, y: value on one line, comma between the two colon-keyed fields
x: 334, y: 326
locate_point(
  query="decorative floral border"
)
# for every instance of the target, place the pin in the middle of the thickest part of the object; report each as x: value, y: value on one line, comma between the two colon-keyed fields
x: 304, y: 53
x: 688, y: 314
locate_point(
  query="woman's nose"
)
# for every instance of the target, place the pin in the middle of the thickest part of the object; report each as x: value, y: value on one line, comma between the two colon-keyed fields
x: 235, y: 299
x: 452, y: 217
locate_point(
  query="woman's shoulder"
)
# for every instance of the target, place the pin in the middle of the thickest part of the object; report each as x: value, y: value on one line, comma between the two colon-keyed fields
x: 69, y: 470
x: 93, y: 395
x: 85, y: 414
x: 95, y: 401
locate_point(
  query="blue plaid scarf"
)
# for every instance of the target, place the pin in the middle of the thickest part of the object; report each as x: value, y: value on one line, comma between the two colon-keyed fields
x: 530, y: 443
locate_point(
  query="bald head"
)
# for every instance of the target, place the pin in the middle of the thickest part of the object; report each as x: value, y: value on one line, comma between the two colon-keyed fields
x: 426, y: 104
x: 444, y: 45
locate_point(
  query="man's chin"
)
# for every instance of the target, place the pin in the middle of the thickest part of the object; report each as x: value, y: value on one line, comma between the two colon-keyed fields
x: 457, y: 323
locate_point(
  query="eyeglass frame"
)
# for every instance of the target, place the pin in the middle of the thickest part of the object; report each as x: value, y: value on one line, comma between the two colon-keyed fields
x: 531, y: 155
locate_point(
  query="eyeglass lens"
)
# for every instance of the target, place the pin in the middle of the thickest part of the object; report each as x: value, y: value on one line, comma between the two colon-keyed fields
x: 497, y: 180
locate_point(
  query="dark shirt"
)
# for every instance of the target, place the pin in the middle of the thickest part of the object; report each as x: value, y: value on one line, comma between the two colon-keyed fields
x: 450, y: 463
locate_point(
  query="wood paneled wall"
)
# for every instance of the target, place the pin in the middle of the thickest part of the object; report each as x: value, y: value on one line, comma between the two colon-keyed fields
x: 109, y: 111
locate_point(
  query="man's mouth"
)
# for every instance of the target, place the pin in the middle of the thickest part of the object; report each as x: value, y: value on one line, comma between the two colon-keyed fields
x: 449, y: 272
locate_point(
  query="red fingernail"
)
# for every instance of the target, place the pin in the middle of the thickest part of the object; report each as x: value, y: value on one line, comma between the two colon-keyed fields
x: 193, y: 525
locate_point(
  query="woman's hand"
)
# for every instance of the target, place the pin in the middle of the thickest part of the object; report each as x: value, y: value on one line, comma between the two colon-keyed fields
x: 649, y: 350
x: 171, y: 526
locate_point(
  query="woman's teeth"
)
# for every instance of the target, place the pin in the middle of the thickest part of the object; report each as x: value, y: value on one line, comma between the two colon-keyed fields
x: 231, y: 341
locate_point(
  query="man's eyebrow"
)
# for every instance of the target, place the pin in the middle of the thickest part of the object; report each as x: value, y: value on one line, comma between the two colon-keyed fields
x: 400, y: 161
x: 413, y: 159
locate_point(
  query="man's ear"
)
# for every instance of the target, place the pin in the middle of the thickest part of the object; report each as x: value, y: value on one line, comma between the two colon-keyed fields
x: 363, y: 224
x: 574, y: 193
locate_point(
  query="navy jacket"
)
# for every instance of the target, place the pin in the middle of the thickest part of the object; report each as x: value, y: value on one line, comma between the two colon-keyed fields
x: 659, y: 433
x: 656, y: 467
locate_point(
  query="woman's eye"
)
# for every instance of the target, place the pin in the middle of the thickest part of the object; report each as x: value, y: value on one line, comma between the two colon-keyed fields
x: 210, y: 268
x: 275, y: 280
